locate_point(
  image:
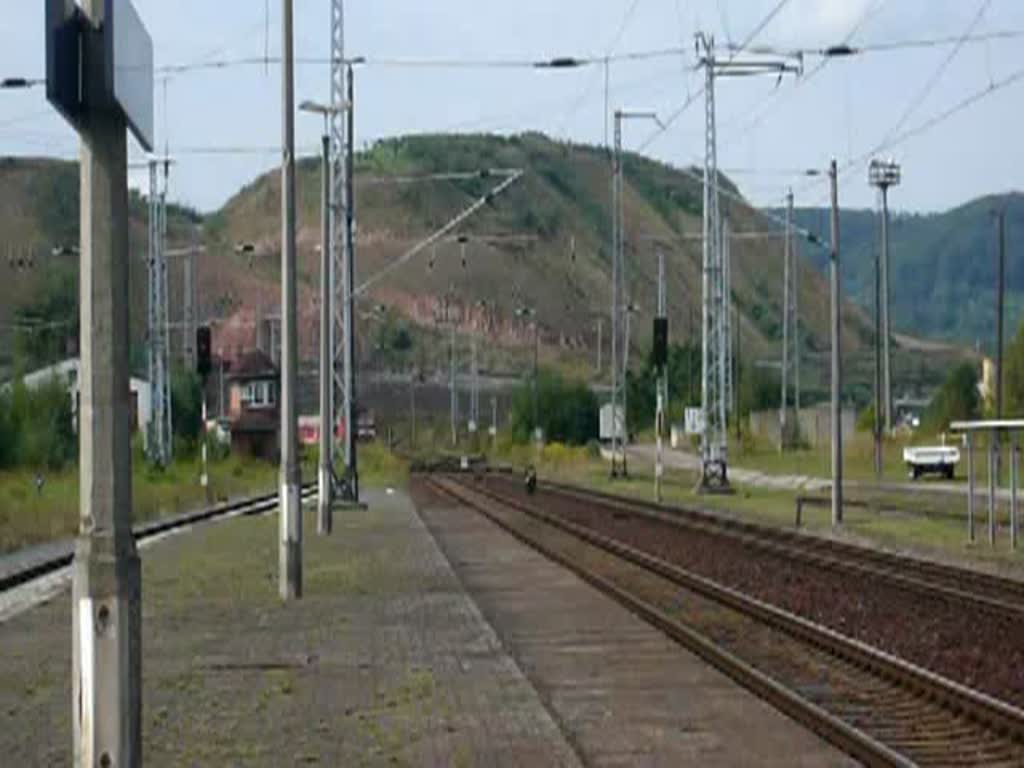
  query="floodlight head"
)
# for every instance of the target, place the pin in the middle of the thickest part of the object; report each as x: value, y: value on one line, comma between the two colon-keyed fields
x: 884, y: 173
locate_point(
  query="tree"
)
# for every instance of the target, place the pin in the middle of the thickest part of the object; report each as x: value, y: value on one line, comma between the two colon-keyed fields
x: 35, y: 426
x: 186, y: 405
x: 958, y: 399
x: 567, y: 410
x: 1013, y: 380
x: 49, y: 321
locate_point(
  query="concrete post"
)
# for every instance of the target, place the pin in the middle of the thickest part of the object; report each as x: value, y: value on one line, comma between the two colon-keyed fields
x: 325, y: 470
x: 837, y: 369
x: 886, y: 323
x: 879, y: 398
x: 290, y: 552
x: 106, y: 588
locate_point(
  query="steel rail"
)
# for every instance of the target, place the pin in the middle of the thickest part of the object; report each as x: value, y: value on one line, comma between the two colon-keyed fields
x: 992, y: 714
x: 252, y: 505
x: 980, y: 590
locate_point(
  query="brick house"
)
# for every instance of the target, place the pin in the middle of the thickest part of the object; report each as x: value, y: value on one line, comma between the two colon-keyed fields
x: 253, y: 406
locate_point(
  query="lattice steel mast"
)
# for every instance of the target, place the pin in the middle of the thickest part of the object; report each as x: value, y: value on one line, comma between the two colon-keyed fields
x: 159, y: 440
x: 341, y: 244
x: 716, y: 379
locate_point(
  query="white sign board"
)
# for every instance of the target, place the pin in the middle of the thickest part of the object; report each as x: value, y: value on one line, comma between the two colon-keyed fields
x: 472, y: 426
x: 129, y: 67
x: 694, y: 421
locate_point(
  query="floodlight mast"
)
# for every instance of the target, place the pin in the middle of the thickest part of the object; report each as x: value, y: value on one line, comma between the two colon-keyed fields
x: 884, y: 174
x: 325, y: 470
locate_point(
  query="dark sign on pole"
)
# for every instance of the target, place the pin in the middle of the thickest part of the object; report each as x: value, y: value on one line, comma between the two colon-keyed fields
x: 204, y: 351
x: 64, y: 23
x: 128, y: 65
x: 660, y: 346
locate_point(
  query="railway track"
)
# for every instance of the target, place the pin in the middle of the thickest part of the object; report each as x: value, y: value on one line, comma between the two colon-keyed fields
x: 253, y: 505
x: 961, y: 585
x: 878, y: 708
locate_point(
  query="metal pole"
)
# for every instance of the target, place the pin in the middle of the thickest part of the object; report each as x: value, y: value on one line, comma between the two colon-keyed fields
x: 992, y: 463
x: 453, y: 395
x: 188, y: 312
x: 325, y: 475
x: 106, y: 601
x: 1014, y: 479
x: 736, y: 374
x: 156, y: 445
x: 659, y: 416
x: 837, y: 371
x: 494, y: 422
x: 624, y: 384
x: 600, y: 323
x: 786, y: 298
x: 1000, y: 316
x: 412, y: 411
x: 796, y: 330
x: 970, y: 487
x: 474, y: 399
x: 727, y: 332
x: 879, y: 332
x: 165, y: 333
x: 616, y: 288
x: 204, y: 477
x: 290, y: 553
x: 536, y: 349
x: 886, y: 326
x: 351, y: 460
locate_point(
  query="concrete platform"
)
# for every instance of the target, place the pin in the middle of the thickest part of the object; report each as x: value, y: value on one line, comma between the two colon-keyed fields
x: 622, y: 692
x: 386, y: 661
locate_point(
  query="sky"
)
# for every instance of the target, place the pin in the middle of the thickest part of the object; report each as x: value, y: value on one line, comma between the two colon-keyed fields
x: 223, y: 126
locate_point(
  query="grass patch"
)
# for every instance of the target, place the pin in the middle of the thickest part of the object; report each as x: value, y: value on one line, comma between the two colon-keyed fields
x: 378, y: 465
x: 931, y: 524
x: 28, y: 516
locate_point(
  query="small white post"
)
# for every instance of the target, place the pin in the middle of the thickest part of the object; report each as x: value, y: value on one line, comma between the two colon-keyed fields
x: 970, y: 487
x: 993, y: 459
x: 1014, y: 479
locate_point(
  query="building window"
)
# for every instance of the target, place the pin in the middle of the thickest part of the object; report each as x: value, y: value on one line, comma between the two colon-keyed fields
x: 258, y: 394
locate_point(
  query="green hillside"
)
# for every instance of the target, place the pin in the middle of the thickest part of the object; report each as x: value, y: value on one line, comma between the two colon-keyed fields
x: 562, y: 203
x: 39, y: 211
x: 942, y: 267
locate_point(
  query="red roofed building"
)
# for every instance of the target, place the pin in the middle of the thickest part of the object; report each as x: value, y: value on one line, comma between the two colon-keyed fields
x: 253, y: 406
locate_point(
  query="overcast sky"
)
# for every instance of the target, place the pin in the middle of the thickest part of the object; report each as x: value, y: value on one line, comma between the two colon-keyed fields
x: 767, y: 130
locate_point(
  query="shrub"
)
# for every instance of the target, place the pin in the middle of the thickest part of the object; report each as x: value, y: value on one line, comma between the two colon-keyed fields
x: 567, y: 410
x: 36, y: 427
